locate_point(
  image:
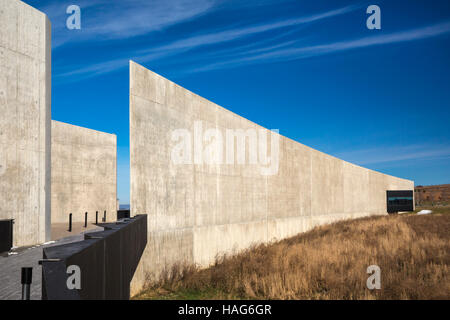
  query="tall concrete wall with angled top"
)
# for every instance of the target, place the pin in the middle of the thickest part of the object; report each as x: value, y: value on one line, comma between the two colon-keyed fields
x: 198, y: 209
x: 25, y: 93
x: 84, y: 173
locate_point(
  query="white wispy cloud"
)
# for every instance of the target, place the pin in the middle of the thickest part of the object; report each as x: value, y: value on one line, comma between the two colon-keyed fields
x: 321, y: 49
x: 136, y: 17
x: 238, y: 33
x: 380, y: 155
x: 194, y: 42
x: 233, y: 56
x: 108, y: 20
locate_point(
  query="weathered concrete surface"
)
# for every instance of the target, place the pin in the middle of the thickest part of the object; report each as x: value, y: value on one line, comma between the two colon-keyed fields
x: 25, y: 93
x: 84, y: 173
x: 197, y: 211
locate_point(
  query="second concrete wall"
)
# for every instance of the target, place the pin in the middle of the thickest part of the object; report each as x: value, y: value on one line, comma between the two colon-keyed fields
x: 84, y: 173
x: 199, y: 209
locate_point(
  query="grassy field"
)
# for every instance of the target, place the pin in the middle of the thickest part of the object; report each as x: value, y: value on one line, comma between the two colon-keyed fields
x: 328, y: 262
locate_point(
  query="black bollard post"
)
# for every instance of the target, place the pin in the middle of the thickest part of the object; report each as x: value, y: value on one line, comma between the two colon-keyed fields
x: 70, y: 222
x: 85, y: 219
x: 27, y: 274
x: 96, y: 217
x: 104, y: 216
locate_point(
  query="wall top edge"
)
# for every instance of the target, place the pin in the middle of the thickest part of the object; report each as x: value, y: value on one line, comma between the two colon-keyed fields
x: 134, y: 64
x: 69, y: 125
x: 29, y: 7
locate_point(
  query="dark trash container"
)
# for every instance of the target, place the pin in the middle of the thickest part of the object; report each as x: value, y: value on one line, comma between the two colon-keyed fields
x: 6, y: 235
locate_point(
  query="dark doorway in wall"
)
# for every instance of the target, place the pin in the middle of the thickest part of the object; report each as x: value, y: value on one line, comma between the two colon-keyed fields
x: 123, y: 214
x: 399, y: 200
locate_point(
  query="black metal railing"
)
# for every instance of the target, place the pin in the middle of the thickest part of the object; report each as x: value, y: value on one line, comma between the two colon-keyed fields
x: 106, y: 261
x: 86, y: 219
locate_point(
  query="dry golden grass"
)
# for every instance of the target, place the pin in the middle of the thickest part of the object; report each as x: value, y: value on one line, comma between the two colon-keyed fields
x: 328, y: 262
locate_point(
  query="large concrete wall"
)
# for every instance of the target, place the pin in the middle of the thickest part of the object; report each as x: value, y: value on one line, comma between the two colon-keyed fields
x: 84, y: 173
x: 25, y: 93
x: 196, y: 211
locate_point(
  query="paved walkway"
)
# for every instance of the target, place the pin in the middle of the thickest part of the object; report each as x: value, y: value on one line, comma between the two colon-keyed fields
x: 59, y: 230
x: 11, y: 266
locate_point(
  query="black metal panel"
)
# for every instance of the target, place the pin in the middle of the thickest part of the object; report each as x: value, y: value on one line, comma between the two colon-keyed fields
x: 114, y: 278
x: 107, y: 260
x: 6, y: 235
x: 399, y: 200
x: 122, y: 214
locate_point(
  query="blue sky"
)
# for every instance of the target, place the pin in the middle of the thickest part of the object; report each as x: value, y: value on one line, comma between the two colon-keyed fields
x: 312, y: 69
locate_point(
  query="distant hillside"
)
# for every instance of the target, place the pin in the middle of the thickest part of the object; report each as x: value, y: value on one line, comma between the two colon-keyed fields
x: 437, y: 194
x: 124, y: 207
